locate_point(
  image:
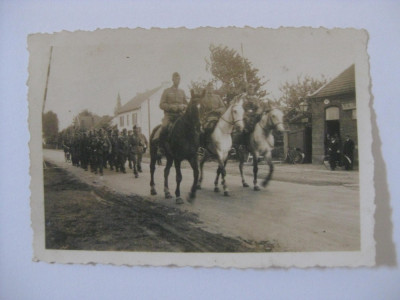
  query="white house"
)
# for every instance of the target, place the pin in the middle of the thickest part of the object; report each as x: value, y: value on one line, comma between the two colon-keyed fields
x: 142, y: 110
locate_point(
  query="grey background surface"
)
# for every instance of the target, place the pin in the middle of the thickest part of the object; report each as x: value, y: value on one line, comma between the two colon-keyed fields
x: 20, y: 278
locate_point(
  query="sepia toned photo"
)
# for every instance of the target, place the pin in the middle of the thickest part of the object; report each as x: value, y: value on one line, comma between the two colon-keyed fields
x: 210, y: 147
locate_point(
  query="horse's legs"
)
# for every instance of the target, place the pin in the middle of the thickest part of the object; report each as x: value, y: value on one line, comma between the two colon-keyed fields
x: 255, y: 172
x: 153, y: 160
x: 223, y: 173
x: 195, y: 166
x: 271, y: 170
x: 241, y: 162
x: 178, y: 182
x: 216, y: 188
x: 166, y: 174
x: 202, y: 161
x: 134, y: 162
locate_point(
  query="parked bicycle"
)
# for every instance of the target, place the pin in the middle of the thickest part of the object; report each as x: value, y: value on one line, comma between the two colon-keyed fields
x: 295, y: 156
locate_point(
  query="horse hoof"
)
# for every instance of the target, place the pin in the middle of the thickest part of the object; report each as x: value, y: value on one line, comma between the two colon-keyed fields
x: 168, y: 196
x: 179, y: 200
x: 153, y: 192
x: 245, y: 184
x: 216, y: 189
x: 136, y: 176
x: 198, y: 187
x: 256, y: 188
x: 264, y: 184
x: 191, y: 197
x: 226, y: 193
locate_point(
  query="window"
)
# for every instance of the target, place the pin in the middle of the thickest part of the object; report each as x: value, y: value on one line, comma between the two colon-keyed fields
x: 127, y: 120
x: 121, y: 121
x: 332, y: 113
x: 134, y: 119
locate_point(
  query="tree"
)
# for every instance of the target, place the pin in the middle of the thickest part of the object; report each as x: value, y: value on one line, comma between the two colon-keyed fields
x: 228, y: 68
x: 50, y: 127
x: 293, y: 93
x: 104, y: 123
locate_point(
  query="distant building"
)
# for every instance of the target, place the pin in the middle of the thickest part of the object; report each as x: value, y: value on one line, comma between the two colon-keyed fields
x: 85, y: 123
x: 142, y: 110
x: 333, y: 112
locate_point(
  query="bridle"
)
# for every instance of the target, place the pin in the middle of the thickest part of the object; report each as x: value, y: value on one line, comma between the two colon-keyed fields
x: 232, y: 123
x: 270, y: 123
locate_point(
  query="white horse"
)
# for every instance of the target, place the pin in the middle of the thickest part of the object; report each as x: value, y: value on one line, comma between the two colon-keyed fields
x: 261, y: 143
x: 221, y: 141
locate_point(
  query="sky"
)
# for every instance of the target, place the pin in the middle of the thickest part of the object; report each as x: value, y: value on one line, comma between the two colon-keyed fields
x: 89, y: 69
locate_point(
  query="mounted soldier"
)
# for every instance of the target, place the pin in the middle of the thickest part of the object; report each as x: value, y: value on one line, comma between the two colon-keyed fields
x: 173, y: 103
x: 211, y: 109
x: 254, y: 109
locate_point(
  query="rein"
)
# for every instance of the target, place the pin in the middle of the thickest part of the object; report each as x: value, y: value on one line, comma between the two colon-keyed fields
x: 232, y: 123
x: 271, y: 126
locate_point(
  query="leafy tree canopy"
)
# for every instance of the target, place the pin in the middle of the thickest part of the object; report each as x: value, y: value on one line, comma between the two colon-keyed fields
x: 50, y: 125
x: 293, y: 93
x: 231, y: 72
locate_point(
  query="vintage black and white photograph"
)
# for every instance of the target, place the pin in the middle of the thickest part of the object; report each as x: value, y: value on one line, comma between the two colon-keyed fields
x: 231, y: 147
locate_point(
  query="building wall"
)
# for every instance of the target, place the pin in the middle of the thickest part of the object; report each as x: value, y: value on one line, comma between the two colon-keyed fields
x: 348, y: 125
x: 156, y: 115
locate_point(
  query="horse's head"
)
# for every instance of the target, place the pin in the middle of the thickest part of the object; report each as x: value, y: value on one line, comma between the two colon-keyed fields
x: 195, y: 98
x: 273, y: 119
x: 192, y: 110
x: 237, y: 113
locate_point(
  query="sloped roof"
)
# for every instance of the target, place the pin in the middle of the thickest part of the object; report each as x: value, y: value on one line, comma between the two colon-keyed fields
x: 136, y: 101
x: 344, y: 83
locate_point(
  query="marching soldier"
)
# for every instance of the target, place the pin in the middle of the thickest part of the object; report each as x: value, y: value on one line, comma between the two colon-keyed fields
x: 102, y: 147
x: 114, y: 151
x: 106, y: 147
x: 110, y: 158
x: 122, y: 150
x: 130, y: 157
x: 84, y: 148
x: 133, y: 143
x: 141, y: 147
x: 92, y: 151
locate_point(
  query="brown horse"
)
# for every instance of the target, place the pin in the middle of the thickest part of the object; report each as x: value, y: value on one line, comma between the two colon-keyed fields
x: 182, y: 143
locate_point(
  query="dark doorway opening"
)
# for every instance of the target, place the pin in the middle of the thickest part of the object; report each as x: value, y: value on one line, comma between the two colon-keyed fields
x: 307, y: 145
x: 332, y: 128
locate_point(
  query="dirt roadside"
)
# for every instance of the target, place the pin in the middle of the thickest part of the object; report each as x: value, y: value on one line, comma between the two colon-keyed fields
x: 83, y: 217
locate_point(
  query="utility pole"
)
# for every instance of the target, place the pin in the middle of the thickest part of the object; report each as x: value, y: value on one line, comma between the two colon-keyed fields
x: 244, y: 68
x: 47, y: 79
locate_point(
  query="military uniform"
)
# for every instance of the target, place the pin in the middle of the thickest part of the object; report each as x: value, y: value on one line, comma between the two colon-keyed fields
x: 114, y: 152
x: 173, y: 102
x: 133, y: 142
x: 140, y: 149
x: 211, y: 109
x: 122, y: 151
x: 84, y: 151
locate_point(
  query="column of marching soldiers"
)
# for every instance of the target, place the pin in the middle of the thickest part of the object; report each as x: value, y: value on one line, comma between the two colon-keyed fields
x: 95, y: 150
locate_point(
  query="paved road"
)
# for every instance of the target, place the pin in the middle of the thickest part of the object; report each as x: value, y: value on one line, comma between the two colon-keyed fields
x: 295, y: 216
